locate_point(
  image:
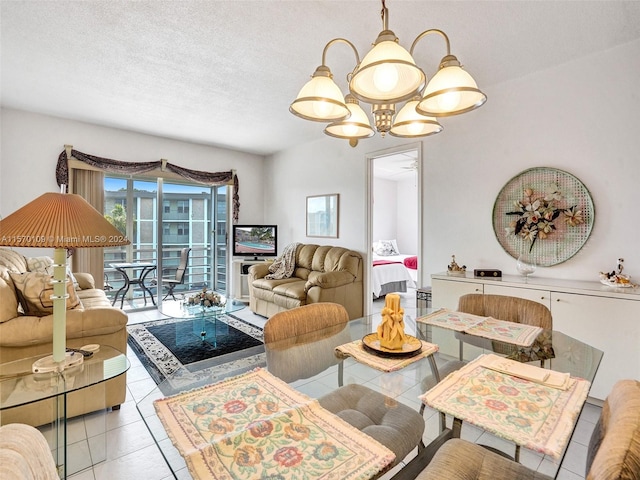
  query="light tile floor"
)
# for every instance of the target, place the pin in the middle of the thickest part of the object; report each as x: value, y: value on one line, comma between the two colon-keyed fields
x: 131, y: 452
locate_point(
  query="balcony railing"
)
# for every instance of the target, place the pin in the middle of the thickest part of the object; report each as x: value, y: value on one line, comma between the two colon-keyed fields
x: 199, y: 272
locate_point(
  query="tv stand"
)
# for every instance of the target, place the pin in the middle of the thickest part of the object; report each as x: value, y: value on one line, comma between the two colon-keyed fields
x: 240, y: 274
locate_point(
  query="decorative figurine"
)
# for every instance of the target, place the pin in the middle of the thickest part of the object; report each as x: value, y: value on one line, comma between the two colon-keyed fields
x: 616, y: 278
x: 391, y: 329
x: 454, y: 269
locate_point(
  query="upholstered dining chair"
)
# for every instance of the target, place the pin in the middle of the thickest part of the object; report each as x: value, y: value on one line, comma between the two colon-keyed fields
x: 613, y: 452
x: 301, y: 342
x: 178, y: 277
x: 503, y: 307
x: 304, y: 319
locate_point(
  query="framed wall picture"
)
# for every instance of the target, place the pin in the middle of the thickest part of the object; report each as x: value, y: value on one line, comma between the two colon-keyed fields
x: 322, y: 215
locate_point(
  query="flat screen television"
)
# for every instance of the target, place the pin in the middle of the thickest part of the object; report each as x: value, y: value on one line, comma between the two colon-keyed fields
x: 253, y: 241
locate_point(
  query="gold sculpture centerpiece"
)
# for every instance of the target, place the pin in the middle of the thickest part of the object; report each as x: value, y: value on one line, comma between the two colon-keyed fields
x: 391, y: 329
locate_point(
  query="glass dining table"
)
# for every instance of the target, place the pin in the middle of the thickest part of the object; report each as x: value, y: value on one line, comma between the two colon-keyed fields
x: 313, y: 365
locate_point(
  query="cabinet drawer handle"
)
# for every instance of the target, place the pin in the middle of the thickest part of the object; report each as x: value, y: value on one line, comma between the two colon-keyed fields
x: 477, y: 289
x: 541, y: 298
x: 557, y: 299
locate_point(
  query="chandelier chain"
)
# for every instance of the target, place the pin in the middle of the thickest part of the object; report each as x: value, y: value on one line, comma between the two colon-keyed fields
x: 384, y: 14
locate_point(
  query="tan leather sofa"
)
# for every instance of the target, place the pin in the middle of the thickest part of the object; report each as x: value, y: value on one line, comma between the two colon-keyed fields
x: 23, y: 336
x: 322, y: 274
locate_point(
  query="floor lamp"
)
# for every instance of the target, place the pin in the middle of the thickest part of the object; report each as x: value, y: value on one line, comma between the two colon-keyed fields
x: 61, y: 221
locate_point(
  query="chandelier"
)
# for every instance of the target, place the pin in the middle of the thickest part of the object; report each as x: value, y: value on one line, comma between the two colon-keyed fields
x: 388, y: 75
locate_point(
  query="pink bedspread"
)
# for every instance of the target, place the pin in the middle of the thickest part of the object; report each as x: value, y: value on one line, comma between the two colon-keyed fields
x: 384, y: 262
x: 411, y: 262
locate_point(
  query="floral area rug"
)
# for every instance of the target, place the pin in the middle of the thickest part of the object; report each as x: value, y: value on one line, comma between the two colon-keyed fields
x: 174, y: 350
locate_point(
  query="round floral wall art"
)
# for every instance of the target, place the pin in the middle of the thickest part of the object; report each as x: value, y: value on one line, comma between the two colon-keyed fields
x: 545, y: 213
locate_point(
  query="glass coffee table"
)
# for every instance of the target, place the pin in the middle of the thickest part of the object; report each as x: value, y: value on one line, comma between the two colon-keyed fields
x: 202, y: 321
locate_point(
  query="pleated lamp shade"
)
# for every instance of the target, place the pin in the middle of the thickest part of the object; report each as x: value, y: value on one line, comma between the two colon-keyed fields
x: 59, y: 220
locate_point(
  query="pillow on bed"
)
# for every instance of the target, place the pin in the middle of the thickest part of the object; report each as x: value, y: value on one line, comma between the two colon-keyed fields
x: 386, y: 248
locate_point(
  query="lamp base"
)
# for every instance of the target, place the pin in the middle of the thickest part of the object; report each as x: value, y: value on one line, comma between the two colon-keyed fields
x: 47, y: 364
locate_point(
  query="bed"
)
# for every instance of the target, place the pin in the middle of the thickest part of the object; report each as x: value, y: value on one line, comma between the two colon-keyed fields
x: 392, y: 271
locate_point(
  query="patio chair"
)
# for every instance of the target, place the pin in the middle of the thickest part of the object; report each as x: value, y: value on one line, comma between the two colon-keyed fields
x: 178, y: 278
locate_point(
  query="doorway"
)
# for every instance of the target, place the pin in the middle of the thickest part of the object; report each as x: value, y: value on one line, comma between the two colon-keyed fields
x: 394, y: 219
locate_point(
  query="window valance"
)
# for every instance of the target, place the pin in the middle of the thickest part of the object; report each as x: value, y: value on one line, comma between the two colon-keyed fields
x: 129, y: 168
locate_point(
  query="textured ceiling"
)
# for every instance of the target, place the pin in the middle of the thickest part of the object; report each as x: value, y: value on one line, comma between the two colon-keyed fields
x: 224, y: 72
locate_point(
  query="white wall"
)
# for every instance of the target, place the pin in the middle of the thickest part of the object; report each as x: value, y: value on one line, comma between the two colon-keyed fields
x: 395, y: 213
x: 581, y: 117
x: 407, y: 216
x: 385, y: 209
x: 31, y: 143
x: 325, y: 166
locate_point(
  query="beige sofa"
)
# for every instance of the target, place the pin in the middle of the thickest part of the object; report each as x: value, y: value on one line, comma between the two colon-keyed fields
x: 25, y: 454
x: 94, y: 321
x: 321, y: 274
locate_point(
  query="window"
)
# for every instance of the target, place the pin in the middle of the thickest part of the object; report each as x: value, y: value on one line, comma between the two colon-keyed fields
x: 183, y: 206
x: 191, y: 215
x: 183, y: 229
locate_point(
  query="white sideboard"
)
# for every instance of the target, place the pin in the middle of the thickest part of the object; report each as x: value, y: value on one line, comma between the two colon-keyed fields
x: 604, y: 317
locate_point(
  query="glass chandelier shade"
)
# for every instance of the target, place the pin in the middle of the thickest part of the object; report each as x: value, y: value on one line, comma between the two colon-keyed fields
x: 320, y: 99
x: 409, y: 123
x: 451, y: 91
x: 355, y: 126
x: 387, y: 74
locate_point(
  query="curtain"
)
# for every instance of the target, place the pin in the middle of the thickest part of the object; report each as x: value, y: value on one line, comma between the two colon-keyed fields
x: 118, y: 166
x: 89, y: 184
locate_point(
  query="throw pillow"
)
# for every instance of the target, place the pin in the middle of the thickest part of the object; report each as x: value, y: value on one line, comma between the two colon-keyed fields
x: 40, y: 264
x: 386, y: 248
x: 34, y: 291
x: 45, y: 265
x: 8, y: 300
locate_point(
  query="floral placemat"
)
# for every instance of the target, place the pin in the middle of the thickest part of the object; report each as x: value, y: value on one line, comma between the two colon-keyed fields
x: 256, y: 426
x: 457, y: 321
x: 486, y: 327
x: 532, y: 415
x: 356, y: 350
